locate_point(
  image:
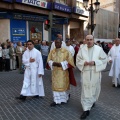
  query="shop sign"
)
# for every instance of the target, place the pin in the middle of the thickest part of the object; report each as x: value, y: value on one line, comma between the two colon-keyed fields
x: 37, y: 3
x: 18, y: 30
x: 62, y: 7
x: 80, y: 11
x: 29, y: 17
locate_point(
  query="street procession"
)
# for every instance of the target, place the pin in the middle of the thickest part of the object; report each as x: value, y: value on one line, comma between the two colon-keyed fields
x: 59, y: 60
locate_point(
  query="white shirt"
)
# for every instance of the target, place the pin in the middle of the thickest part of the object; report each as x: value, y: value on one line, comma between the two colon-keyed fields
x: 71, y: 50
x: 0, y: 51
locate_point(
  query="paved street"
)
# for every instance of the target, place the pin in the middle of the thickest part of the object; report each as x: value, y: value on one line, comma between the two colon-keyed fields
x: 107, y: 108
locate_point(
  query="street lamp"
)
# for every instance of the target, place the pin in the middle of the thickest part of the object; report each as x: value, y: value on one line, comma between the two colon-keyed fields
x: 91, y: 10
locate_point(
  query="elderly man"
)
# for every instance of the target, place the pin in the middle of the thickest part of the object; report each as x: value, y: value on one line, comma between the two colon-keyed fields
x: 32, y: 83
x: 114, y: 58
x: 53, y: 44
x: 91, y: 60
x: 59, y: 60
x: 44, y: 51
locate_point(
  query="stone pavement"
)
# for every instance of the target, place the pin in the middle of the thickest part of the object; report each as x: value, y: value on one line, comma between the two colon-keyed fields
x: 107, y: 107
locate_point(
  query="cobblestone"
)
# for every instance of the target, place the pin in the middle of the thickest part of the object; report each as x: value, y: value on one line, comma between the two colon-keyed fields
x: 107, y: 107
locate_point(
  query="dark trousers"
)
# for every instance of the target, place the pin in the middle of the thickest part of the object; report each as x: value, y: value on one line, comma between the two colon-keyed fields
x: 44, y: 60
x: 7, y: 64
x: 17, y: 62
x: 1, y: 64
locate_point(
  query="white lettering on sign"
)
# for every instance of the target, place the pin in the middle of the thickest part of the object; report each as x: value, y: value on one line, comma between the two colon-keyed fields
x: 62, y: 8
x: 37, y: 3
x: 79, y: 11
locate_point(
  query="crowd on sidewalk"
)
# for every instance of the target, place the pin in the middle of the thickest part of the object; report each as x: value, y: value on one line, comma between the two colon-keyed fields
x: 11, y: 53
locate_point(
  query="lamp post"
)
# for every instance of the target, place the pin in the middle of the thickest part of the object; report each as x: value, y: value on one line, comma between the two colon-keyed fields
x: 92, y: 11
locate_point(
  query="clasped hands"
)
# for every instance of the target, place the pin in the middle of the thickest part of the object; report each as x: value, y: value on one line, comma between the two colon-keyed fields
x: 91, y: 63
x: 32, y: 60
x: 57, y: 64
x: 110, y: 61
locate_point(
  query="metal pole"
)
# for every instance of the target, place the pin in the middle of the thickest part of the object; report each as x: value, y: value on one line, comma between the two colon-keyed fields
x: 50, y: 29
x: 92, y: 17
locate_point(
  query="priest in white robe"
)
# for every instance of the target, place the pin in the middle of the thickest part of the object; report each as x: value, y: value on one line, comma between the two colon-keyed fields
x: 32, y: 83
x: 91, y: 60
x: 114, y: 59
x: 53, y: 44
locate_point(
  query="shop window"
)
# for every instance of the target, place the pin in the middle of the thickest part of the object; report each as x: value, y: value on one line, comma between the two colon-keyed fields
x: 61, y: 1
x: 35, y: 30
x: 79, y: 3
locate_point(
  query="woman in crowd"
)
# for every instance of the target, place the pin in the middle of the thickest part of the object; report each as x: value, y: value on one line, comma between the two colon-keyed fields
x: 19, y: 52
x: 12, y: 57
x: 6, y: 58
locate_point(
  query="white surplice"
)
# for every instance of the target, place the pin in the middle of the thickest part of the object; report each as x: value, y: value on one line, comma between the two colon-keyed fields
x: 53, y: 45
x: 90, y: 75
x: 60, y: 97
x: 71, y: 49
x: 114, y: 55
x: 32, y: 83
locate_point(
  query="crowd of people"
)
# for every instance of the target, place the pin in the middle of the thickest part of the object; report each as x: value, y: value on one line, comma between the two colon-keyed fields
x: 61, y: 57
x: 11, y: 54
x: 105, y: 45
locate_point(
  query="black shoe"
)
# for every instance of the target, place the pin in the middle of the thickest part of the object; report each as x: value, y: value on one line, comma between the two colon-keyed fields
x: 14, y: 69
x: 63, y: 103
x: 53, y: 104
x: 85, y: 114
x: 69, y: 96
x: 113, y: 85
x: 36, y: 96
x: 93, y: 105
x: 21, y: 97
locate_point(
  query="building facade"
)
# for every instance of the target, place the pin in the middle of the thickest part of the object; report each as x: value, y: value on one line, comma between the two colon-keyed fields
x: 106, y: 20
x: 21, y: 20
x: 114, y: 6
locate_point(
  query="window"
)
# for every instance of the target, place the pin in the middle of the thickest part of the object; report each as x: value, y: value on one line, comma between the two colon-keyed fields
x: 61, y: 1
x: 79, y: 3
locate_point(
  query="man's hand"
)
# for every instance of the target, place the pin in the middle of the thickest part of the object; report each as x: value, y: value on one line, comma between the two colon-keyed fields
x: 86, y: 63
x: 32, y: 60
x: 54, y: 64
x: 57, y: 64
x: 40, y: 75
x: 110, y: 61
x: 91, y: 63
